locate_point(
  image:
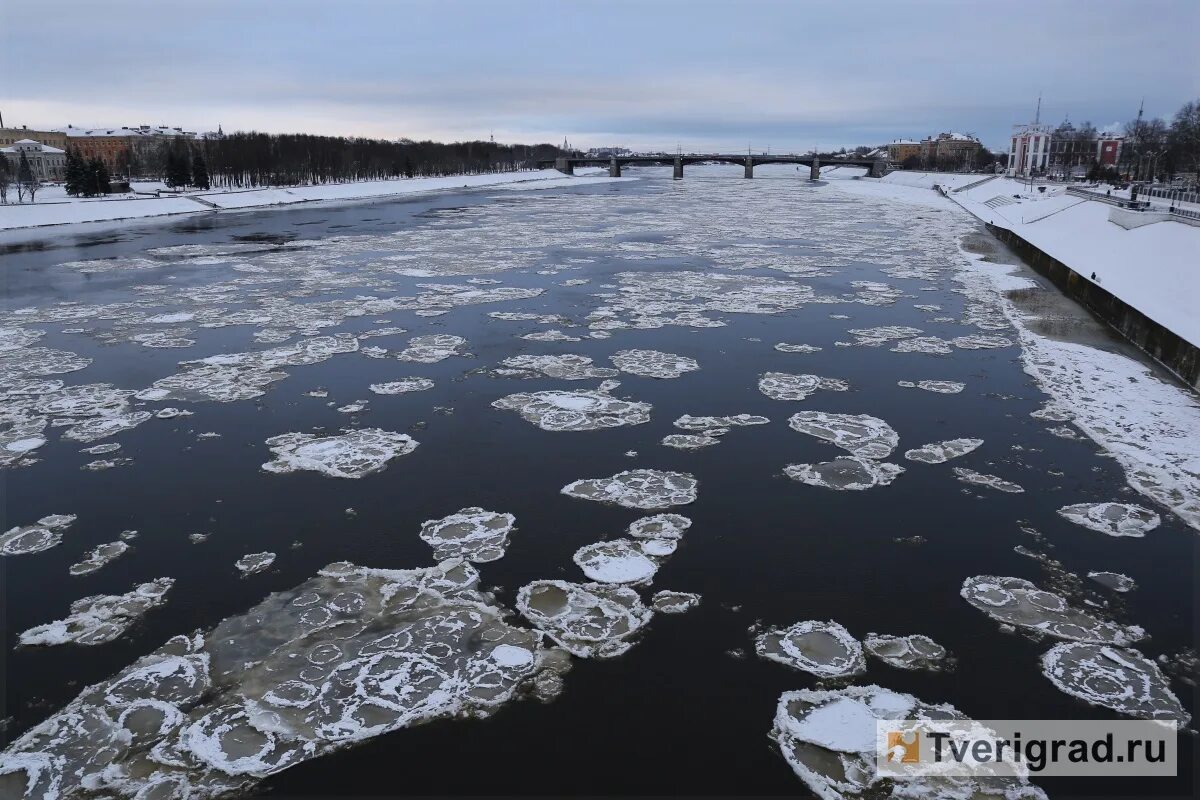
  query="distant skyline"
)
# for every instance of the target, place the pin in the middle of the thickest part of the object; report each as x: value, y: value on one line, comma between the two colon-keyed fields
x: 702, y: 75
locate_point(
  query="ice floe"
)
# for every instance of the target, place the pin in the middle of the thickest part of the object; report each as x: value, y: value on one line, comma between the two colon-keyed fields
x: 99, y: 556
x: 100, y: 618
x: 470, y: 533
x: 348, y: 655
x: 784, y: 386
x: 824, y: 649
x: 552, y: 335
x: 694, y: 441
x: 907, y: 652
x: 991, y: 481
x: 690, y: 423
x: 1116, y: 581
x: 668, y: 602
x: 829, y: 740
x: 653, y: 363
x: 860, y: 434
x: 42, y: 535
x: 253, y: 563
x: 1020, y: 603
x: 637, y: 488
x: 659, y: 526
x: 432, y: 348
x: 564, y: 367
x: 620, y: 560
x: 589, y: 620
x: 979, y: 341
x: 1121, y: 679
x: 353, y: 454
x: 576, y: 410
x: 1114, y: 519
x: 845, y: 473
x: 402, y: 386
x: 939, y: 387
x: 784, y: 347
x: 941, y: 452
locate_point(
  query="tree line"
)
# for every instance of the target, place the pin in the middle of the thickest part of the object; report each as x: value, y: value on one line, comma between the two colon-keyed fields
x: 251, y: 159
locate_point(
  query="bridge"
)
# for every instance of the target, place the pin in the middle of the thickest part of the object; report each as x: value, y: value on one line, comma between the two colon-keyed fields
x: 876, y: 167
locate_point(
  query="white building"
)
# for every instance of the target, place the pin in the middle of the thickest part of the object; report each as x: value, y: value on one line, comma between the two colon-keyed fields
x: 1029, y: 149
x: 45, y: 162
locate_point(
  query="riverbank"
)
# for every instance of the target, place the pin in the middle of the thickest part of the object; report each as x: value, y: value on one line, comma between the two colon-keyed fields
x: 1143, y: 280
x: 71, y: 211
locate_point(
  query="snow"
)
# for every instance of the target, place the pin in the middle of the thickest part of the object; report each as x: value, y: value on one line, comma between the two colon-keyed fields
x: 69, y: 210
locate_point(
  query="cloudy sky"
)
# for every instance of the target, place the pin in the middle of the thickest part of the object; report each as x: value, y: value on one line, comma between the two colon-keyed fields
x: 651, y: 74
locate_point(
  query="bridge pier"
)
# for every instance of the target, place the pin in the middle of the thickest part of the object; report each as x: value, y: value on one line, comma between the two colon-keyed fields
x: 814, y: 171
x: 878, y: 168
x: 614, y: 168
x: 564, y: 165
x: 678, y: 174
x: 749, y: 167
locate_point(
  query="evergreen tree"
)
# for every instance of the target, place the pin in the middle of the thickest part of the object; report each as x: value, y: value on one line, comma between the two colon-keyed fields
x: 76, y: 173
x: 91, y: 175
x: 179, y: 173
x: 5, y: 179
x: 199, y: 172
x: 102, y: 177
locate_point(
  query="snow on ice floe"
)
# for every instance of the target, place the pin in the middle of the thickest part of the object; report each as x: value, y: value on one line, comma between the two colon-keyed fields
x: 829, y: 740
x: 351, y: 654
x: 41, y: 535
x: 939, y: 387
x: 694, y: 441
x: 432, y: 348
x: 567, y: 367
x: 785, y: 386
x: 637, y: 488
x: 253, y: 563
x: 691, y: 423
x: 1114, y: 519
x: 907, y: 652
x: 668, y: 602
x: 576, y: 410
x: 941, y: 452
x: 876, y: 337
x: 847, y: 473
x: 653, y: 363
x: 1116, y: 581
x: 1052, y: 412
x: 1121, y: 679
x: 353, y: 454
x: 469, y: 533
x: 99, y: 556
x: 991, y: 481
x: 588, y: 620
x: 784, y: 347
x: 824, y: 649
x: 101, y: 618
x: 1020, y: 603
x: 622, y: 560
x: 402, y: 386
x: 860, y: 434
x: 930, y: 345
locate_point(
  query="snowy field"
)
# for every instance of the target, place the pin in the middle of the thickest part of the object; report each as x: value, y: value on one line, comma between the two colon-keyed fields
x: 566, y: 471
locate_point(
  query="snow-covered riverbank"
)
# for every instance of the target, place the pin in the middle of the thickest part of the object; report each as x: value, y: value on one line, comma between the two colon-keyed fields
x: 65, y: 211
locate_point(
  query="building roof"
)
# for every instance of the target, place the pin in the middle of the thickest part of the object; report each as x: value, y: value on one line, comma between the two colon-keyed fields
x: 144, y: 131
x: 45, y: 148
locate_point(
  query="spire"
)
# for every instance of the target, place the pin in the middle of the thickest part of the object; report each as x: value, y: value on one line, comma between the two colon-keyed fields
x: 1037, y: 117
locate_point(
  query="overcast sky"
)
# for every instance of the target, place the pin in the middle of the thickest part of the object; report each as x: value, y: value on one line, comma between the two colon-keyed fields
x: 650, y: 74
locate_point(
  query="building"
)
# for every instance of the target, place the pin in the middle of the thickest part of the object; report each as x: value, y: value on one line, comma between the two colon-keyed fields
x: 45, y: 162
x: 1029, y: 149
x: 128, y: 151
x: 901, y: 150
x: 950, y: 150
x: 10, y: 136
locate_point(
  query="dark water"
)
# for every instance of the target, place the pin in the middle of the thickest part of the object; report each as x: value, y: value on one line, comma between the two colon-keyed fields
x: 679, y: 713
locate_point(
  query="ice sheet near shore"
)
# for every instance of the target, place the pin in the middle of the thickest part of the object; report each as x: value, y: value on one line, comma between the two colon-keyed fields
x: 351, y: 654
